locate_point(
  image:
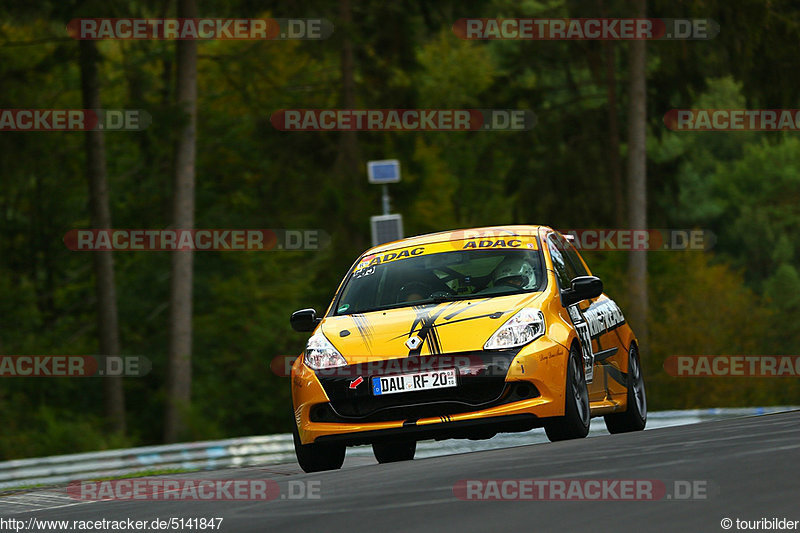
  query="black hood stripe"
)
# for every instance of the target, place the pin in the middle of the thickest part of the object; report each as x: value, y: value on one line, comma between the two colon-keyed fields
x: 364, y: 329
x: 427, y: 329
x: 497, y: 314
x: 454, y: 313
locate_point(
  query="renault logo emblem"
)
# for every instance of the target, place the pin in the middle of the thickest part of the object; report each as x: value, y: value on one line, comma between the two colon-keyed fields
x: 413, y: 343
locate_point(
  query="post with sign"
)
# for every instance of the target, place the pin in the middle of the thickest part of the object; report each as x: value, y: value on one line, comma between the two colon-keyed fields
x: 386, y: 227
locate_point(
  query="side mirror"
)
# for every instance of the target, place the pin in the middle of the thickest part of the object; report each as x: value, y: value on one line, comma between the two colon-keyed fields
x: 304, y: 320
x: 583, y: 288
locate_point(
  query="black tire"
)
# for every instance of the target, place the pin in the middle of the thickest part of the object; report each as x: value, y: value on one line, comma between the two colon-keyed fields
x: 392, y: 452
x: 634, y: 417
x: 575, y: 422
x: 318, y: 457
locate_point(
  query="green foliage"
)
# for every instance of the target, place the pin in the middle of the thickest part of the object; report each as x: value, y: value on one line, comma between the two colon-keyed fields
x: 53, y: 430
x: 742, y: 298
x: 453, y: 72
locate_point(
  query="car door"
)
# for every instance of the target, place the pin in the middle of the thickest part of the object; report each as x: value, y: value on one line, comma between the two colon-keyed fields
x: 593, y: 319
x: 565, y: 272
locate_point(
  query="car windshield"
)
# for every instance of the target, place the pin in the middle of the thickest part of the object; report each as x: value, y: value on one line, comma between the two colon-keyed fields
x: 439, y: 277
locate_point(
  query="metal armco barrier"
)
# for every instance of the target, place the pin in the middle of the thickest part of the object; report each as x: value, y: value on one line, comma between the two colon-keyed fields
x: 243, y: 451
x: 273, y: 449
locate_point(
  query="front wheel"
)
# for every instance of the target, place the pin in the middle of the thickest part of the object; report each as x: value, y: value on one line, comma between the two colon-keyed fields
x: 392, y: 452
x: 634, y: 417
x: 316, y: 457
x: 575, y: 422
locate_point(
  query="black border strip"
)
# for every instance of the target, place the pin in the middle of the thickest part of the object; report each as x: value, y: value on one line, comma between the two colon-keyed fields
x: 443, y: 430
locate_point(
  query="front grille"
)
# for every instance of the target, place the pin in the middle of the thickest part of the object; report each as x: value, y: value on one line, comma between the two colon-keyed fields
x: 512, y: 392
x: 480, y: 383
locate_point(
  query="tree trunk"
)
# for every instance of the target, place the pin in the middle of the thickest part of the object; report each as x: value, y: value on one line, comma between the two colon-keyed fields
x: 348, y: 163
x: 349, y: 141
x: 637, y: 182
x: 179, y: 384
x: 615, y: 165
x: 100, y: 214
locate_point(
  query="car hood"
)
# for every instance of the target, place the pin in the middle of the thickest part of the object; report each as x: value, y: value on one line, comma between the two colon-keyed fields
x: 448, y: 327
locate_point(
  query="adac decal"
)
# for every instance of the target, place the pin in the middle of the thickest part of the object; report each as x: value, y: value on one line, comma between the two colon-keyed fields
x: 372, y: 260
x: 513, y: 243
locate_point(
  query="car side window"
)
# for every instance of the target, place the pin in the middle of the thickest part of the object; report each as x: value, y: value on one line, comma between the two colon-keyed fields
x: 572, y: 256
x: 564, y: 270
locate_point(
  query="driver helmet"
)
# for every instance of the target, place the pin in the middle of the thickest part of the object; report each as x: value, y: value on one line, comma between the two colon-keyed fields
x: 514, y: 272
x: 413, y: 291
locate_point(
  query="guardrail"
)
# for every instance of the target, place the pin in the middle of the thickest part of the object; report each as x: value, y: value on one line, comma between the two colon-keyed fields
x: 272, y: 449
x: 243, y: 451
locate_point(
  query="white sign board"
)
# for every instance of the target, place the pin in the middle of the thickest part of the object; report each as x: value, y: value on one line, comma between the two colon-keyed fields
x: 386, y: 171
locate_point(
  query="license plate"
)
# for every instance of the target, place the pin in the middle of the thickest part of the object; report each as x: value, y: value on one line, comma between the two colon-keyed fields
x: 439, y: 379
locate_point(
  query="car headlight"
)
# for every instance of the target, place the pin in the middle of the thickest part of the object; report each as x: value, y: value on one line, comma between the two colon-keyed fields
x: 522, y: 328
x: 320, y: 353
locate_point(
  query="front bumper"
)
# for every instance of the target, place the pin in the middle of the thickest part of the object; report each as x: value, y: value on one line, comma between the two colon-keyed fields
x: 497, y: 392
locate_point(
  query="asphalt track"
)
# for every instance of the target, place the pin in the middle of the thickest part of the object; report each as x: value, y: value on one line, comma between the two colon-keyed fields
x: 749, y: 466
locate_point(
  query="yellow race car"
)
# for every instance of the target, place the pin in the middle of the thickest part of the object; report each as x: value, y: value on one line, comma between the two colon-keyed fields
x: 463, y: 334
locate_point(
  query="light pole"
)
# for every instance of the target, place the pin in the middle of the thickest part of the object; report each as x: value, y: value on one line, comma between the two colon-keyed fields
x: 385, y: 227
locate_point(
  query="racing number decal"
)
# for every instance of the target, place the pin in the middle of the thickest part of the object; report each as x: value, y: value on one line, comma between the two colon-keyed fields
x: 582, y: 328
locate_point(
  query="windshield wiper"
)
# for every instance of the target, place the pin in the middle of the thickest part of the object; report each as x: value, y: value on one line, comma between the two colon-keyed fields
x: 439, y: 298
